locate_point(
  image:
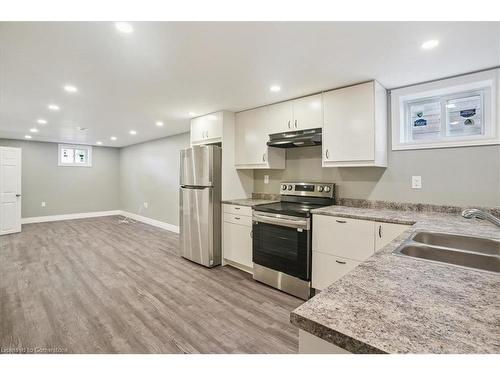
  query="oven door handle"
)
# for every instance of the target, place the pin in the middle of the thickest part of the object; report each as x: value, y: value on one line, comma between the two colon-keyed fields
x: 291, y: 223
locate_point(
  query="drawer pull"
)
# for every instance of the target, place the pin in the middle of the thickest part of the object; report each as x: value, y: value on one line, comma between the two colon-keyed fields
x: 237, y: 208
x: 341, y: 221
x: 339, y: 262
x: 237, y: 218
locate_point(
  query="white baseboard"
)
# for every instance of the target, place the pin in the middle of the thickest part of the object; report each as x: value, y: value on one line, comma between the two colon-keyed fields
x: 86, y: 215
x: 83, y: 215
x: 153, y: 222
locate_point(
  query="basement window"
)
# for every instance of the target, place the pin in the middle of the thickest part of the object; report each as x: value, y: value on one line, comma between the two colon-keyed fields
x: 448, y: 113
x: 75, y: 155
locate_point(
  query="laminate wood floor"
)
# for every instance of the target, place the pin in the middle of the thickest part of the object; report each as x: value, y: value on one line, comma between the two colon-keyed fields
x: 97, y: 286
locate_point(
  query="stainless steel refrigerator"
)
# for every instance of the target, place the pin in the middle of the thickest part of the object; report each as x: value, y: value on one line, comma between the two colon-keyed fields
x: 200, y: 205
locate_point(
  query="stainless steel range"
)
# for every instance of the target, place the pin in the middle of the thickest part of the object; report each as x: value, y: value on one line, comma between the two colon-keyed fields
x: 282, y: 236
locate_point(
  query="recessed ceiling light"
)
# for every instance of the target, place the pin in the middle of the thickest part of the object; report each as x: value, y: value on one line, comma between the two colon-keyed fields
x: 275, y: 88
x: 430, y: 44
x: 124, y: 27
x: 192, y: 114
x: 113, y: 138
x: 70, y: 88
x: 34, y: 130
x: 132, y: 132
x: 98, y: 143
x: 53, y: 107
x: 159, y: 123
x: 41, y: 121
x: 28, y: 136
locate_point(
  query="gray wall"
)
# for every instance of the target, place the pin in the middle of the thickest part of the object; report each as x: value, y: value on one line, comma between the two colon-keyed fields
x: 455, y: 176
x: 149, y: 172
x: 66, y: 190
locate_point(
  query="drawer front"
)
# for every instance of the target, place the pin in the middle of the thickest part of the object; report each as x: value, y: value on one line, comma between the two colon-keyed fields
x: 326, y: 269
x: 346, y: 238
x: 238, y: 219
x: 238, y: 210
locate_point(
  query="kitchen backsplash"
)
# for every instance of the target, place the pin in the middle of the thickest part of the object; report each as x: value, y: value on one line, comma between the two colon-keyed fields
x: 450, y: 176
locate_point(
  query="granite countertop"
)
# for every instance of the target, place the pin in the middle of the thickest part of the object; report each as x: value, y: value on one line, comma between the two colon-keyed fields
x: 395, y: 304
x: 249, y: 202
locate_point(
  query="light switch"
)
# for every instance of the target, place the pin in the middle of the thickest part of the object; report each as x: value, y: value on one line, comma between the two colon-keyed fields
x: 266, y: 178
x: 416, y: 182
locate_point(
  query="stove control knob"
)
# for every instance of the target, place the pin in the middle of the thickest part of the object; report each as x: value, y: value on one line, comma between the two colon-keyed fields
x: 320, y: 188
x: 327, y: 189
x: 283, y: 187
x: 289, y: 187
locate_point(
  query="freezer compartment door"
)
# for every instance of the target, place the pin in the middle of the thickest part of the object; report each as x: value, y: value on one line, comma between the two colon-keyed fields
x: 198, y: 240
x: 196, y: 166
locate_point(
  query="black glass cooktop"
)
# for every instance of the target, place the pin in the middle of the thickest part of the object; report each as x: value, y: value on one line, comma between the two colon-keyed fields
x: 288, y: 208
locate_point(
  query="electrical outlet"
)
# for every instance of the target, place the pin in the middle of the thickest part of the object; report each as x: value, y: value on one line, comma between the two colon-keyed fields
x: 416, y: 182
x: 43, y: 204
x: 266, y: 178
x: 145, y: 204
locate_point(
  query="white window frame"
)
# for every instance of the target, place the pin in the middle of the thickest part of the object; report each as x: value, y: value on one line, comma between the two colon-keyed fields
x: 74, y: 147
x: 445, y: 89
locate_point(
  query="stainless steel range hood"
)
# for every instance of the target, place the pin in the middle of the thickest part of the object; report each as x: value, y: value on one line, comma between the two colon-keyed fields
x: 300, y: 138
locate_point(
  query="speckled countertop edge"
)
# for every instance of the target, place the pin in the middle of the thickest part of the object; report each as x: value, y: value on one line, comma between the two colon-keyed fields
x: 381, y: 306
x: 248, y: 202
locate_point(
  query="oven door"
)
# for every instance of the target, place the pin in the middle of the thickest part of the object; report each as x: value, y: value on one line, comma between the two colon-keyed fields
x: 282, y: 243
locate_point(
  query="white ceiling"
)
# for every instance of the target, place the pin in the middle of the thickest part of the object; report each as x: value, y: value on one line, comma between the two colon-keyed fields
x: 164, y: 70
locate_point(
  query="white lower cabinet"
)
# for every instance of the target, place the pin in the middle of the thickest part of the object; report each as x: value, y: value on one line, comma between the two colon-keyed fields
x: 237, y: 237
x: 340, y: 244
x: 328, y: 268
x: 310, y: 344
x: 386, y: 232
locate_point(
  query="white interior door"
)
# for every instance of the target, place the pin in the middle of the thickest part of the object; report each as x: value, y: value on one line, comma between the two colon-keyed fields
x: 10, y: 190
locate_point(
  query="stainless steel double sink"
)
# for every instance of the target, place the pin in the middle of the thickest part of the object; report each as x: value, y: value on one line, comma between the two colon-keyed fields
x: 463, y: 251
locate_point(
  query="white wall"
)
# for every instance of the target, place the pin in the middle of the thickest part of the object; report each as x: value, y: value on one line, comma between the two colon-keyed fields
x: 149, y: 172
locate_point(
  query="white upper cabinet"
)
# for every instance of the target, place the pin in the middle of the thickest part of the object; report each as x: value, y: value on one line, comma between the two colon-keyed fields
x: 355, y: 126
x: 207, y: 129
x: 308, y: 112
x: 298, y: 114
x: 279, y: 117
x: 251, y: 137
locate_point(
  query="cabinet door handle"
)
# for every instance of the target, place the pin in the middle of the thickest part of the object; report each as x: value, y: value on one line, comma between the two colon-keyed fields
x: 264, y: 157
x: 288, y: 124
x: 380, y: 231
x: 327, y: 154
x: 295, y: 123
x: 339, y: 262
x: 251, y: 234
x: 341, y: 221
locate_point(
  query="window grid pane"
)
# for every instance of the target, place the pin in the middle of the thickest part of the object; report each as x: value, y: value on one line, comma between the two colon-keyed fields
x: 465, y: 116
x: 424, y: 119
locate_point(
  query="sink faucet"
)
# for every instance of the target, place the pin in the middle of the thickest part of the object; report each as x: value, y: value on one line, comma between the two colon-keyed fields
x: 474, y: 212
